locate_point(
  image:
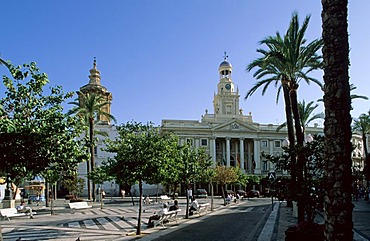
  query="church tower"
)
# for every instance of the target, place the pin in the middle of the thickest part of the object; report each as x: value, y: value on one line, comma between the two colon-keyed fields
x: 94, y: 86
x: 226, y: 101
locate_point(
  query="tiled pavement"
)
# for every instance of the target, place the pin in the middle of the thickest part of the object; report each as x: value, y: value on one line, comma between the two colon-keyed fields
x: 107, y: 224
x: 361, y: 221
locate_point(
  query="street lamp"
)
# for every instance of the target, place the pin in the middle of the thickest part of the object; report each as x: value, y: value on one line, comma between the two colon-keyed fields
x: 285, y: 142
x: 8, y: 190
x: 309, y: 138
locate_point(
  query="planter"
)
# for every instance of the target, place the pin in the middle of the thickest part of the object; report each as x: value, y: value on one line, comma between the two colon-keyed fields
x: 310, y: 232
x: 75, y: 200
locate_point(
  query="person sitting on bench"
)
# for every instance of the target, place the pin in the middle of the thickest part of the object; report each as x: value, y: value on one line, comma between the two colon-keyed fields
x: 175, y: 206
x: 194, y: 206
x: 23, y: 209
x: 158, y: 215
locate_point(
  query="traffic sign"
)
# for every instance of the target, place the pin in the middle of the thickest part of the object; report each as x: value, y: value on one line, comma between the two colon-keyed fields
x: 271, y: 176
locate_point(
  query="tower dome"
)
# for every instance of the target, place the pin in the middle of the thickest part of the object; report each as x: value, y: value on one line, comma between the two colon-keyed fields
x: 225, y: 68
x: 225, y: 63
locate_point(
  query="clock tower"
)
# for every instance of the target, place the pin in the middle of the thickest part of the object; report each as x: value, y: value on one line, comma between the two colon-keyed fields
x: 94, y: 86
x: 226, y: 101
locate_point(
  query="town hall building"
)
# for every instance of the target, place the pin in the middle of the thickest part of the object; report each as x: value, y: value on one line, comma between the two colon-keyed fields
x: 230, y: 137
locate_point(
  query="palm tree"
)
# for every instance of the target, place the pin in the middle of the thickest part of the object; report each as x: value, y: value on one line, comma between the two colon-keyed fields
x: 362, y: 125
x: 270, y: 71
x: 337, y: 101
x: 90, y: 106
x: 287, y: 61
x: 306, y: 115
x: 3, y: 62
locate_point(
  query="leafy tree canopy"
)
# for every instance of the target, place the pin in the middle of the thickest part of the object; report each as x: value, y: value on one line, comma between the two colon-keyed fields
x: 140, y: 153
x: 35, y: 134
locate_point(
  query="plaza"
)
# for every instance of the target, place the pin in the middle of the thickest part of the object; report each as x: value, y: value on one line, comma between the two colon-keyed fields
x: 118, y: 218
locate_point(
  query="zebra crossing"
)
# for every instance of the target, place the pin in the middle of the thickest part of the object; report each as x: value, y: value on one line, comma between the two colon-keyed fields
x: 93, y: 224
x: 115, y: 219
x: 38, y: 234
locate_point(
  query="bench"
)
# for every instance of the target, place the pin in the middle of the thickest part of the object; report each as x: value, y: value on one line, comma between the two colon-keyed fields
x: 164, y: 198
x: 7, y: 213
x: 78, y: 205
x: 202, y: 208
x: 147, y: 201
x: 167, y: 217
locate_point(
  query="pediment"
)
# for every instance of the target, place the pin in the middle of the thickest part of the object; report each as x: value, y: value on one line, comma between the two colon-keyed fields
x: 235, y: 125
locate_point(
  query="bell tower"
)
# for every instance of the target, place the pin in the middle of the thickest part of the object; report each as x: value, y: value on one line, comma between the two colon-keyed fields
x: 226, y: 101
x: 94, y: 86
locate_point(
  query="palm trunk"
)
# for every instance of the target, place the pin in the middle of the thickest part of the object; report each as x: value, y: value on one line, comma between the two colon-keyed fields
x: 338, y: 204
x: 88, y: 180
x: 92, y: 154
x: 289, y: 123
x: 300, y: 154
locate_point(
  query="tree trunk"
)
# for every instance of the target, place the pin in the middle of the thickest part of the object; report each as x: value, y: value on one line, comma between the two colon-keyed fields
x: 300, y: 154
x: 138, y: 229
x: 92, y: 154
x: 1, y: 233
x: 89, y: 196
x: 46, y: 192
x: 337, y: 128
x: 291, y: 138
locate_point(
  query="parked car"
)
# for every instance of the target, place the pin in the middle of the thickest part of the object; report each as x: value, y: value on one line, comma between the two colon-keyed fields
x: 201, y: 193
x: 253, y: 193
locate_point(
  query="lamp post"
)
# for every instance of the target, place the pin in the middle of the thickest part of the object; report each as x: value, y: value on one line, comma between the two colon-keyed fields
x: 308, y: 138
x: 8, y: 201
x: 285, y: 142
x: 187, y: 190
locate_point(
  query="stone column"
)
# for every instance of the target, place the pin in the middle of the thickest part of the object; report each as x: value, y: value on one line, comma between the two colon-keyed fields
x: 236, y: 148
x: 182, y: 141
x: 227, y: 151
x: 197, y: 144
x: 242, y: 153
x: 257, y: 153
x: 249, y: 155
x: 213, y: 151
x: 270, y: 164
x: 223, y: 150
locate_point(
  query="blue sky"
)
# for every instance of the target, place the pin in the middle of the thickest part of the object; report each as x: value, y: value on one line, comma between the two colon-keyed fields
x: 159, y: 58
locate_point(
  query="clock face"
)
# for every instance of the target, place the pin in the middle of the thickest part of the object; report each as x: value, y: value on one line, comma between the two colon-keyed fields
x: 227, y: 86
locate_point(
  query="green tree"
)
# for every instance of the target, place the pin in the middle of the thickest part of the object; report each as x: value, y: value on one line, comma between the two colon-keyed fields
x: 89, y: 107
x: 337, y: 101
x: 99, y: 176
x: 34, y: 131
x: 224, y: 175
x: 139, y: 156
x: 362, y: 125
x: 173, y: 173
x: 241, y: 178
x: 74, y: 185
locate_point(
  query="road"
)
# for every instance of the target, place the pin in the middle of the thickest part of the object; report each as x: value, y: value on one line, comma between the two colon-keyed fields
x: 242, y: 222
